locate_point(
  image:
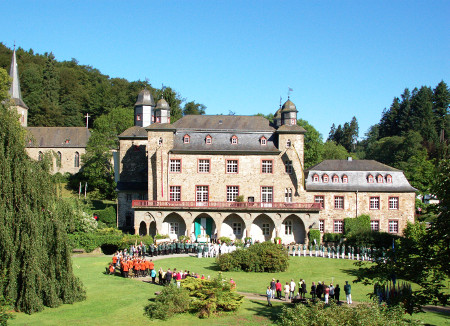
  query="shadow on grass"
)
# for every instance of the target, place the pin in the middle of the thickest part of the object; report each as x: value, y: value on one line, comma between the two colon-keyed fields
x: 272, y: 313
x: 213, y: 267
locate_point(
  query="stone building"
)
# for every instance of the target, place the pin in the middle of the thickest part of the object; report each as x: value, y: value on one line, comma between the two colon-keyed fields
x: 64, y: 144
x: 241, y: 176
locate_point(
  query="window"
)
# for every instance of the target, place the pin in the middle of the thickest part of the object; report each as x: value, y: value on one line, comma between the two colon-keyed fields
x: 288, y: 143
x: 344, y: 179
x: 266, y: 166
x: 288, y: 227
x: 186, y: 139
x: 374, y: 203
x: 322, y: 226
x: 232, y: 166
x: 288, y: 167
x: 393, y: 202
x: 208, y: 140
x: 40, y: 156
x: 266, y: 229
x: 129, y: 197
x: 160, y: 141
x: 388, y: 178
x: 325, y: 178
x: 288, y: 195
x: 393, y: 226
x: 67, y: 141
x: 201, y: 194
x: 76, y: 162
x: 335, y: 179
x: 379, y: 178
x: 293, y: 122
x: 58, y: 159
x: 175, y: 193
x: 321, y: 200
x: 203, y: 165
x: 175, y: 165
x: 232, y: 193
x: 370, y: 178
x: 375, y: 225
x: 338, y: 202
x: 338, y: 226
x: 174, y: 227
x: 142, y: 196
x: 138, y: 117
x: 263, y: 140
x: 267, y: 196
x: 234, y: 140
x: 315, y: 178
x: 237, y: 228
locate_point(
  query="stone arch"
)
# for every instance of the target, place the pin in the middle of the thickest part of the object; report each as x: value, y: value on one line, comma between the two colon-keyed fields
x: 152, y: 229
x: 142, y: 228
x: 233, y: 227
x: 173, y: 225
x: 203, y: 225
x: 293, y: 229
x: 262, y: 228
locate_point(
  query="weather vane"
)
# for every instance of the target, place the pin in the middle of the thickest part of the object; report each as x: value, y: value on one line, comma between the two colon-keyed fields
x: 289, y: 91
x: 281, y: 99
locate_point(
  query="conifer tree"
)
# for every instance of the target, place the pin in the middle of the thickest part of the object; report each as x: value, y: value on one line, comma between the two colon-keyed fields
x: 34, y: 251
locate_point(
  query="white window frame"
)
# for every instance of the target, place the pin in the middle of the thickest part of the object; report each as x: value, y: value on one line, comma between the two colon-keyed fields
x: 393, y: 226
x: 267, y: 166
x: 288, y: 195
x: 175, y: 165
x: 338, y: 202
x: 375, y: 225
x: 322, y: 226
x: 288, y: 167
x: 174, y: 227
x: 321, y: 200
x: 237, y: 228
x: 232, y: 193
x: 202, y: 195
x: 265, y: 229
x: 288, y: 228
x: 374, y: 203
x: 267, y: 196
x: 393, y: 203
x: 204, y: 165
x: 175, y: 193
x: 338, y: 226
x: 232, y: 166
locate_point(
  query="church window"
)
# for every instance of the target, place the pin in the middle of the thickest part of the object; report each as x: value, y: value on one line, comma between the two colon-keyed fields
x: 234, y: 140
x: 186, y: 139
x: 315, y: 178
x: 335, y: 179
x: 370, y: 178
x: 320, y: 200
x: 175, y: 193
x: 388, y: 178
x: 344, y: 179
x: 263, y: 140
x: 288, y: 167
x: 325, y: 178
x: 76, y: 162
x: 266, y: 166
x: 208, y: 140
x: 58, y: 159
x: 379, y: 178
x: 40, y: 156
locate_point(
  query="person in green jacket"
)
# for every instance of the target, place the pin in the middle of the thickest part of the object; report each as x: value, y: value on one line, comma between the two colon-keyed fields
x: 348, y: 292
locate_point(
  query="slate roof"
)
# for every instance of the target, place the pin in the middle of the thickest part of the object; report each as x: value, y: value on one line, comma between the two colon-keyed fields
x: 357, y: 172
x: 224, y: 122
x: 145, y: 97
x: 51, y: 137
x: 134, y: 132
x: 295, y: 129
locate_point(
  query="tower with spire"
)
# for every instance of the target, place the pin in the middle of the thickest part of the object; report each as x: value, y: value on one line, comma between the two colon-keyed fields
x: 15, y: 93
x: 143, y: 109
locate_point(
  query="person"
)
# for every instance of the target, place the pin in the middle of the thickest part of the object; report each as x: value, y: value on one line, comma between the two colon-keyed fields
x: 313, y: 290
x: 292, y: 289
x: 286, y: 291
x: 278, y: 288
x: 178, y: 277
x: 348, y: 292
x: 233, y: 284
x: 303, y: 291
x: 168, y: 276
x: 331, y: 291
x: 153, y: 275
x: 337, y: 292
x: 111, y: 269
x: 273, y: 288
x: 160, y: 276
x: 269, y: 294
x: 319, y: 290
x: 327, y: 293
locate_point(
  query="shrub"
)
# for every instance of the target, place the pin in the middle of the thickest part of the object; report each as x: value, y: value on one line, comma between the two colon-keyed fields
x: 314, y: 234
x: 183, y: 238
x: 169, y: 302
x: 107, y: 216
x: 332, y: 237
x: 225, y: 240
x: 261, y: 257
x: 161, y: 236
x: 334, y: 315
x: 358, y: 225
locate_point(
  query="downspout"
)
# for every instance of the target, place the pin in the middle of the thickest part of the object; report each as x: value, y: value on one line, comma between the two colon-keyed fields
x: 356, y: 203
x: 167, y: 183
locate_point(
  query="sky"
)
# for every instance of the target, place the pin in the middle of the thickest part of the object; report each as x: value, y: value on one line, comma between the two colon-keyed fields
x: 340, y: 58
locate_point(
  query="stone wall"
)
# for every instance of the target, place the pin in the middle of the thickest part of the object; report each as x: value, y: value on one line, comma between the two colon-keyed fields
x: 67, y: 157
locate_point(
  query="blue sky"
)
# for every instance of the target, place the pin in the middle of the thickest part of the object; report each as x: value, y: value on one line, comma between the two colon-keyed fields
x: 341, y: 58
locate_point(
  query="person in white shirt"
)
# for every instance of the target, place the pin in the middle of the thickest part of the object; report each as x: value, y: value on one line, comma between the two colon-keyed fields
x: 292, y: 289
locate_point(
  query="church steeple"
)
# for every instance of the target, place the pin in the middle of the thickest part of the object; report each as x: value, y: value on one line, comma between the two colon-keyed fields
x: 15, y: 93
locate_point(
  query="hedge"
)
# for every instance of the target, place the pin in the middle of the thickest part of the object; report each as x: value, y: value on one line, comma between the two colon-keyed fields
x: 358, y: 225
x: 332, y: 237
x: 314, y: 234
x: 107, y: 216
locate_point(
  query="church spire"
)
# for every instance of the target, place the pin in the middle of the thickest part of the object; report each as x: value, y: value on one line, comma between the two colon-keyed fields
x: 15, y: 93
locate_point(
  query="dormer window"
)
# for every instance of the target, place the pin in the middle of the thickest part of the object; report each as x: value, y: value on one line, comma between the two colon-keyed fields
x: 379, y: 178
x: 325, y: 178
x: 335, y: 179
x: 186, y: 139
x: 208, y: 140
x: 67, y: 141
x: 388, y: 178
x: 370, y: 178
x: 234, y: 140
x: 344, y: 179
x: 315, y: 178
x: 263, y: 140
x: 288, y: 143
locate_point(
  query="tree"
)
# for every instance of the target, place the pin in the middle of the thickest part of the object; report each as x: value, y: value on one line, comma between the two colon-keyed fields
x: 4, y: 85
x: 333, y: 151
x: 34, y: 250
x: 193, y: 108
x: 313, y: 144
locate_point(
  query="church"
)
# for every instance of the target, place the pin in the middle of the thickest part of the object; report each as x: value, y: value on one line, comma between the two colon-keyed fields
x: 65, y: 144
x: 243, y: 176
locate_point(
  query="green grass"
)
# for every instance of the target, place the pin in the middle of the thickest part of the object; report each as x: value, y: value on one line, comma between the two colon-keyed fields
x: 116, y: 301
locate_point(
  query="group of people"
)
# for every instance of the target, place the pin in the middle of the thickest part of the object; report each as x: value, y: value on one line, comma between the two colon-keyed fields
x: 291, y: 291
x: 339, y: 252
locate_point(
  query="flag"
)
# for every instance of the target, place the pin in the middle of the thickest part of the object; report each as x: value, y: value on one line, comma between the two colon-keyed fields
x: 290, y: 89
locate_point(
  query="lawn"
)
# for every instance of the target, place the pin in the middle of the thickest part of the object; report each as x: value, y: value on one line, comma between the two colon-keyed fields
x: 113, y: 300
